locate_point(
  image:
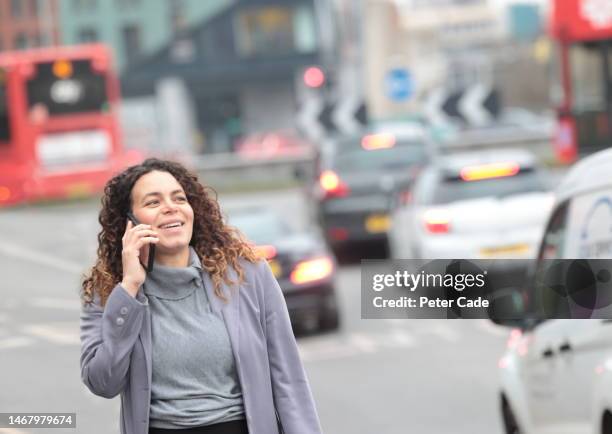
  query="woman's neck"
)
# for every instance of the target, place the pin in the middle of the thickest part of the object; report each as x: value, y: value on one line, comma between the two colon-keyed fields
x: 173, y: 259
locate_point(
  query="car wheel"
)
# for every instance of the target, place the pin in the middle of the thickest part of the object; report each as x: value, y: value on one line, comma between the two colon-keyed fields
x: 606, y: 423
x: 511, y: 426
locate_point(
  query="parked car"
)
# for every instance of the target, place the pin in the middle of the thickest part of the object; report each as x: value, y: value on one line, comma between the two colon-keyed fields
x: 301, y: 262
x: 358, y: 176
x: 474, y: 205
x: 556, y: 374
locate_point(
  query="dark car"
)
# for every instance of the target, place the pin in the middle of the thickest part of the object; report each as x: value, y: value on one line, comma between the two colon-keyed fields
x: 359, y: 176
x: 302, y: 264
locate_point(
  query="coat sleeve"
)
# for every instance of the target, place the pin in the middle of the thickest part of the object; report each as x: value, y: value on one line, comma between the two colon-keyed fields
x: 107, y: 338
x: 292, y: 396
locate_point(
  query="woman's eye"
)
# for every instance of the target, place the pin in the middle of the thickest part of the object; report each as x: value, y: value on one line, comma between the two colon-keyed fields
x: 181, y: 198
x: 153, y: 202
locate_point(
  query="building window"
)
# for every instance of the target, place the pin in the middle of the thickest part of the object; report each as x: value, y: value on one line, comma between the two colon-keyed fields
x: 88, y: 34
x: 21, y: 41
x: 131, y: 41
x: 17, y: 8
x: 275, y: 30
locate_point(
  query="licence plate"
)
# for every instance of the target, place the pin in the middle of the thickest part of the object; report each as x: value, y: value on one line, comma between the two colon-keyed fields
x: 515, y: 249
x: 377, y: 223
x: 275, y: 267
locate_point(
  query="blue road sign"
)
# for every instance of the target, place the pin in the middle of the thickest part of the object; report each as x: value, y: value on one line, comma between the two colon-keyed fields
x: 399, y: 84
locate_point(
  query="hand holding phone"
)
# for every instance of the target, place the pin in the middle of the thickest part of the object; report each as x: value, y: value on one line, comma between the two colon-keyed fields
x: 135, y: 241
x: 151, y: 255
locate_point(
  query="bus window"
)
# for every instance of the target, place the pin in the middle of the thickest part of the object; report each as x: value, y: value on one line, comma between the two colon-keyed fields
x: 5, y: 133
x: 72, y: 88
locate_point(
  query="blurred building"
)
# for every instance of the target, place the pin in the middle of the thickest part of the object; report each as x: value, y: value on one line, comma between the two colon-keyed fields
x: 240, y: 67
x: 133, y: 28
x: 28, y: 23
x: 449, y: 43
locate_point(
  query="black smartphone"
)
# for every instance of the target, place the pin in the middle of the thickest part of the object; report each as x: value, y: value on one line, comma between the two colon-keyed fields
x: 149, y: 266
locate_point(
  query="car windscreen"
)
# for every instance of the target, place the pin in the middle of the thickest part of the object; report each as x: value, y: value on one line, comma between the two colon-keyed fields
x: 261, y: 228
x: 452, y: 189
x: 402, y: 155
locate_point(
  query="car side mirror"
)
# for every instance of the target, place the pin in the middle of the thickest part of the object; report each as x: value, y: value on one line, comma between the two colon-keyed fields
x: 509, y: 307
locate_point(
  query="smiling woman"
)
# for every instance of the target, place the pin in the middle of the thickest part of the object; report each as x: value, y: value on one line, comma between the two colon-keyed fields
x: 200, y: 344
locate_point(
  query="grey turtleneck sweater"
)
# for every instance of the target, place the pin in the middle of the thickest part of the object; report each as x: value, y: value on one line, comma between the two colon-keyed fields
x: 194, y: 374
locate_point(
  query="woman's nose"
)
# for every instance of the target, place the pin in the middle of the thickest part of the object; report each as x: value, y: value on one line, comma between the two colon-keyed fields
x: 169, y: 206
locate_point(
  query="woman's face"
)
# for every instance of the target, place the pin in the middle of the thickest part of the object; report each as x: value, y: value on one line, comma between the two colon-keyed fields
x: 159, y: 200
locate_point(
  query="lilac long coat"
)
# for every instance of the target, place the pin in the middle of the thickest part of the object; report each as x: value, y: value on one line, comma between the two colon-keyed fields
x: 116, y: 354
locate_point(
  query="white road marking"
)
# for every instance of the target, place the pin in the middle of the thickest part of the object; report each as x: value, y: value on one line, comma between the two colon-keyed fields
x: 400, y: 338
x: 15, y: 342
x: 326, y: 350
x: 34, y: 256
x: 363, y: 342
x: 58, y: 333
x: 351, y: 345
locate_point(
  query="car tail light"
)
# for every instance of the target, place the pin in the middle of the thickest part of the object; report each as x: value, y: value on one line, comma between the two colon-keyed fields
x: 437, y: 221
x: 332, y: 185
x: 373, y: 142
x: 312, y: 270
x: 488, y: 171
x: 266, y: 251
x: 338, y: 234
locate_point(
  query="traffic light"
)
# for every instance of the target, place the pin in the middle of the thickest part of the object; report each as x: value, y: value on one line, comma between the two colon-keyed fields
x: 314, y: 77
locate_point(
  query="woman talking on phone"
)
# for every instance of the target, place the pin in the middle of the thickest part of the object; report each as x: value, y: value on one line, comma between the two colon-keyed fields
x: 201, y: 343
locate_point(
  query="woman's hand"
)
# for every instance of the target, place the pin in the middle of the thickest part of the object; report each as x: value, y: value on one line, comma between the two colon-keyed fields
x: 136, y: 250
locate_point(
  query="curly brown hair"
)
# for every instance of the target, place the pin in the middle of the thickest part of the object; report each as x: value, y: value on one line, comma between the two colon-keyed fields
x: 217, y: 245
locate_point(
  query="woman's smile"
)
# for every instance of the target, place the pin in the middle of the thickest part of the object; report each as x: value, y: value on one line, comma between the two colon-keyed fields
x: 172, y: 228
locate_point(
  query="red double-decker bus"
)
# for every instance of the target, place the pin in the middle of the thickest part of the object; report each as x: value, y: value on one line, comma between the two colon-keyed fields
x: 583, y: 30
x: 59, y: 131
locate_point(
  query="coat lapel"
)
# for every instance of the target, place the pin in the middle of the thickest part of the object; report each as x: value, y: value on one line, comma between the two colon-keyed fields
x: 146, y: 340
x: 230, y: 310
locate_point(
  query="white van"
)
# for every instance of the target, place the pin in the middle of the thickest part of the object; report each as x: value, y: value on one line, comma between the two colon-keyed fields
x: 556, y: 375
